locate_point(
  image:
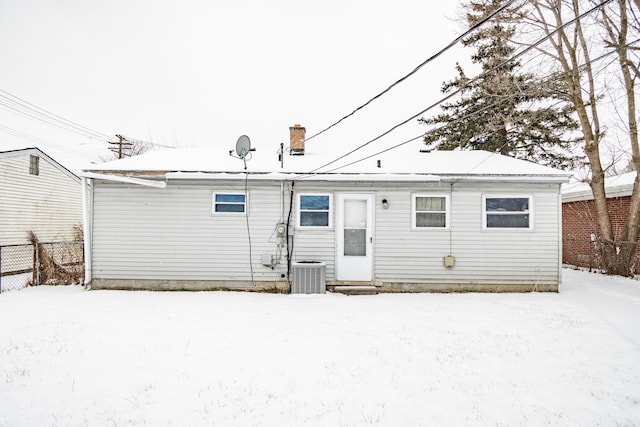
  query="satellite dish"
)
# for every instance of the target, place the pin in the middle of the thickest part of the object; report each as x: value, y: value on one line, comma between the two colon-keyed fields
x: 243, y: 146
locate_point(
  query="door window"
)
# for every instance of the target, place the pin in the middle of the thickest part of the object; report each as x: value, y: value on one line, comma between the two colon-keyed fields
x: 355, y: 227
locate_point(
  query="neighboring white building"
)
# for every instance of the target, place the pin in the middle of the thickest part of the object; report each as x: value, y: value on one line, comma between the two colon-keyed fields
x: 401, y: 220
x: 37, y: 194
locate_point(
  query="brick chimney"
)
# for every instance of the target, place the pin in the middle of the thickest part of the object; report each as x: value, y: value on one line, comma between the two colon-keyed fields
x: 296, y: 140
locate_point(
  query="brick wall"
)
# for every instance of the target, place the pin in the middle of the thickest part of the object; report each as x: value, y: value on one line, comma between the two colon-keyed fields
x: 580, y: 232
x: 297, y: 139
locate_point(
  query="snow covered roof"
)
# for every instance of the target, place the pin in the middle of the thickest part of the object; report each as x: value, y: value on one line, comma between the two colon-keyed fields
x: 614, y: 186
x: 401, y: 164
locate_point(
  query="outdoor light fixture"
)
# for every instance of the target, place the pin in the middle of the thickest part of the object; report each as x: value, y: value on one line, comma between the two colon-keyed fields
x: 385, y: 203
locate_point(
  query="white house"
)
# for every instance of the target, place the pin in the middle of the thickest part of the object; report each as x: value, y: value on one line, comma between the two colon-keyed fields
x: 399, y: 220
x: 37, y: 194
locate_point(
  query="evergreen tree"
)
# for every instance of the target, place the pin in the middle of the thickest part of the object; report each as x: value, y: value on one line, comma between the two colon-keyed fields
x: 504, y: 110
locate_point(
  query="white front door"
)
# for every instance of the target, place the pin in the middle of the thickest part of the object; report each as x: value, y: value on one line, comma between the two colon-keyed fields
x: 354, y: 236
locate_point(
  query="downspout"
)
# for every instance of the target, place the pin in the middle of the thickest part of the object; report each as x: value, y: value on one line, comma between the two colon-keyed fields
x: 281, y: 200
x: 450, y: 215
x: 560, y: 249
x: 289, y: 238
x: 87, y: 217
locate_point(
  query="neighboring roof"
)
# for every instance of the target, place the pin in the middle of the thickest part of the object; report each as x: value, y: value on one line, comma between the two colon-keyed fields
x: 73, y: 159
x: 614, y: 186
x: 401, y: 164
x: 37, y: 152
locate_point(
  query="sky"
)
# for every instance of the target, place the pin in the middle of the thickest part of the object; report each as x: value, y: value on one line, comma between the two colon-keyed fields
x: 199, y: 73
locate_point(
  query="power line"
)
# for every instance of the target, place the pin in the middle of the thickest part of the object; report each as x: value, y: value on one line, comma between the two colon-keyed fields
x: 31, y: 111
x: 402, y: 143
x: 46, y: 116
x: 41, y: 141
x: 378, y: 153
x: 416, y: 69
x: 550, y: 77
x: 457, y: 91
x: 41, y: 120
x: 411, y: 140
x: 150, y: 143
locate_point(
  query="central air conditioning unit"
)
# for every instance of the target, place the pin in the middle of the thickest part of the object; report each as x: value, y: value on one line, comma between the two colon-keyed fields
x: 308, y: 277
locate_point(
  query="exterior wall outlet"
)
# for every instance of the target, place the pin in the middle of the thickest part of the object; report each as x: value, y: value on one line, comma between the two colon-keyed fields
x: 449, y: 261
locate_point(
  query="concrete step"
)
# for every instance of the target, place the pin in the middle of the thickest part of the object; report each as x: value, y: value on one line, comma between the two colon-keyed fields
x: 356, y: 290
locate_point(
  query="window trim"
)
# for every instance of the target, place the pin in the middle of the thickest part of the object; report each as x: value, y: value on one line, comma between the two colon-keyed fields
x: 236, y: 193
x: 507, y: 196
x: 447, y: 212
x: 314, y: 227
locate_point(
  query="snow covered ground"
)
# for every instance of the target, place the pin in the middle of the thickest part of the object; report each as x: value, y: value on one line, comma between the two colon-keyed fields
x: 70, y: 357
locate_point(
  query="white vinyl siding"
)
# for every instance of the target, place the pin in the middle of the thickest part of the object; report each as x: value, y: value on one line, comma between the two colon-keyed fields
x: 315, y: 243
x: 149, y: 233
x: 49, y: 203
x: 495, y: 256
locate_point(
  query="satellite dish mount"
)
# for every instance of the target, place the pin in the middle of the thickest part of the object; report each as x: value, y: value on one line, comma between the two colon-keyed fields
x: 243, y: 148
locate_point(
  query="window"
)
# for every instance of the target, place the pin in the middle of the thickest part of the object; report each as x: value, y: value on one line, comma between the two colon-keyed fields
x: 314, y: 210
x: 229, y: 202
x: 34, y: 165
x: 507, y: 212
x: 430, y: 211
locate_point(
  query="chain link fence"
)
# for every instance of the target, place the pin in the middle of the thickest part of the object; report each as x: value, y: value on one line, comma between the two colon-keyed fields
x: 580, y: 252
x: 54, y: 263
x: 586, y: 253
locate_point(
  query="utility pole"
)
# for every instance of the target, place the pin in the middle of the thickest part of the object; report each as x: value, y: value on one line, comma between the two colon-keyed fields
x: 117, y: 147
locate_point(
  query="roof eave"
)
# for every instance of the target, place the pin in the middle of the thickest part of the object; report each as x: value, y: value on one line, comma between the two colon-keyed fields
x: 548, y: 179
x: 587, y: 194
